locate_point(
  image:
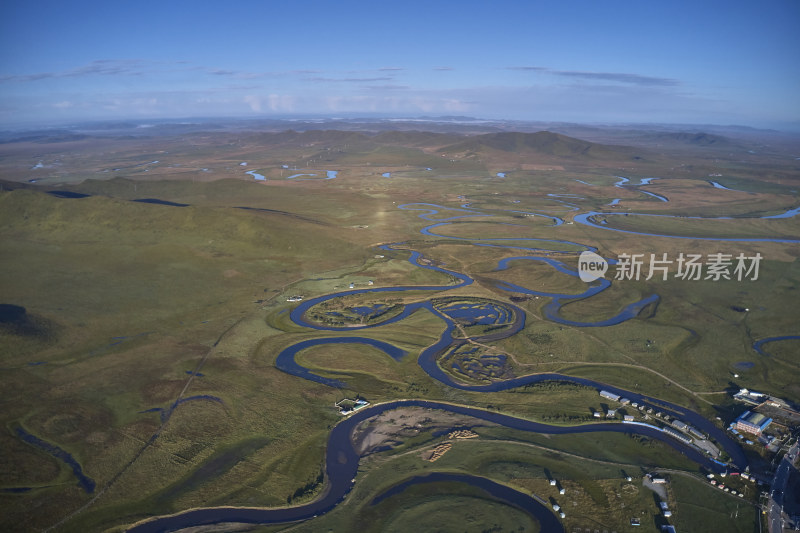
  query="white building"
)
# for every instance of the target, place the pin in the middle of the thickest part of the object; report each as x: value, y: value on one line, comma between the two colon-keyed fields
x: 609, y: 395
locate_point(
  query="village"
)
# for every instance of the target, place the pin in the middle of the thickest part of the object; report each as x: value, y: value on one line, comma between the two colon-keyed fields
x: 768, y: 428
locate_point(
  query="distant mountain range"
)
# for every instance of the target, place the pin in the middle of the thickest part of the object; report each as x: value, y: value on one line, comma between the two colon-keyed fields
x: 435, y: 134
x: 543, y: 142
x: 699, y: 139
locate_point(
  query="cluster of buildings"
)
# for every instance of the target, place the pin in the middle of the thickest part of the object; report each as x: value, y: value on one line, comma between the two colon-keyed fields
x: 553, y: 502
x: 557, y: 508
x: 369, y: 282
x: 612, y: 413
x: 766, y: 412
x: 662, y: 495
x: 647, y: 412
x: 769, y: 407
x: 561, y: 490
x: 664, y: 422
x: 721, y: 485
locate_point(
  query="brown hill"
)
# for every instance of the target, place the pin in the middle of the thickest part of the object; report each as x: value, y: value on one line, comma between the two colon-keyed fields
x: 542, y: 143
x: 423, y: 139
x: 696, y: 139
x: 318, y: 137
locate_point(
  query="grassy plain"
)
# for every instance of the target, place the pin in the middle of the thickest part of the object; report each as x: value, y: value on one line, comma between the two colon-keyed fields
x: 133, y: 307
x: 596, y: 492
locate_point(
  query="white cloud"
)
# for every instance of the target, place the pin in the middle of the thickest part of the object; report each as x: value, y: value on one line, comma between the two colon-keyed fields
x: 254, y: 102
x: 281, y: 102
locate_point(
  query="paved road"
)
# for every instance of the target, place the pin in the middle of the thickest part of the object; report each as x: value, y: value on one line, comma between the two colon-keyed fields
x: 775, y: 505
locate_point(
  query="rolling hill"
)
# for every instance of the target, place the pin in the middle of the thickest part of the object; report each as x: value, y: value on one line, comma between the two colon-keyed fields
x: 544, y: 143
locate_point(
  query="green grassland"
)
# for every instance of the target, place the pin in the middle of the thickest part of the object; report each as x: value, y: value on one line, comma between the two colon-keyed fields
x: 596, y: 492
x: 132, y: 306
x: 740, y: 228
x: 702, y: 507
x: 537, y: 275
x: 429, y: 507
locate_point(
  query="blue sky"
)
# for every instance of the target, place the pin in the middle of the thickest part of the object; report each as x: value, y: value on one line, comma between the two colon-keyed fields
x: 701, y: 61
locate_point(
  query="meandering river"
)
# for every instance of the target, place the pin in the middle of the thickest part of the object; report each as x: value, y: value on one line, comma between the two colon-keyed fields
x: 342, y: 459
